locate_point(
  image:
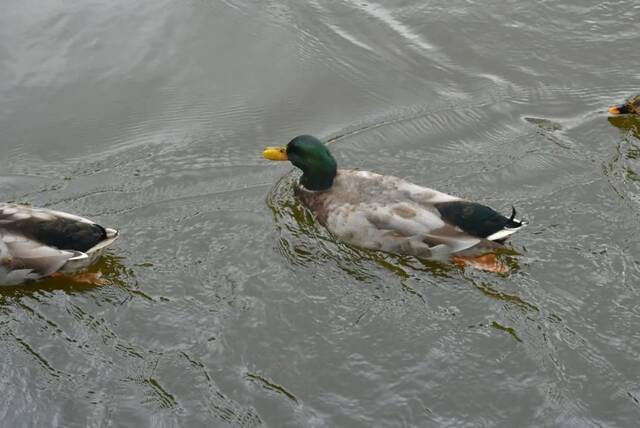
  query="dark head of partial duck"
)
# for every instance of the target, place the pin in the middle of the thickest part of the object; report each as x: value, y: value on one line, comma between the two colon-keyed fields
x: 630, y: 106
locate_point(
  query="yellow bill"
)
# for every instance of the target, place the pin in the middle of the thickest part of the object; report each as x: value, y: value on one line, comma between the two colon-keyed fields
x: 275, y: 153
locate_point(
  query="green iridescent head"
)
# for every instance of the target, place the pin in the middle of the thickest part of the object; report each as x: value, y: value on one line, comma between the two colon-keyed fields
x: 311, y: 156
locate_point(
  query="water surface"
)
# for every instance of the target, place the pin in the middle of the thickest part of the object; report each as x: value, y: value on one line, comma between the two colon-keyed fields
x: 229, y: 306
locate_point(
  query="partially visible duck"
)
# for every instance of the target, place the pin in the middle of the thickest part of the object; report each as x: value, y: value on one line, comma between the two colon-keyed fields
x: 387, y: 213
x: 36, y: 243
x: 630, y: 106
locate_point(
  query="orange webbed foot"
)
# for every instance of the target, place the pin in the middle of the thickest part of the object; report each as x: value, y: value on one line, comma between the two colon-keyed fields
x: 92, y: 278
x: 485, y: 262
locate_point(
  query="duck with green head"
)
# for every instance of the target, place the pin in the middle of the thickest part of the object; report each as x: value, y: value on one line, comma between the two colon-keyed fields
x: 387, y: 213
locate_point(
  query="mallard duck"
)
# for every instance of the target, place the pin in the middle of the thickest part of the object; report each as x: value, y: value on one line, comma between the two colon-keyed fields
x: 387, y: 213
x: 630, y: 106
x: 36, y: 243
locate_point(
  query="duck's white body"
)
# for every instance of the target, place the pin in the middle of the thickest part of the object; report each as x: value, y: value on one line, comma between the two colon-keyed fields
x: 37, y: 242
x: 390, y: 214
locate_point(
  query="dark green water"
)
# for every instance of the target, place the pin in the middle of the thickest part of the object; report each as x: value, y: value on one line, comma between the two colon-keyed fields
x: 228, y: 306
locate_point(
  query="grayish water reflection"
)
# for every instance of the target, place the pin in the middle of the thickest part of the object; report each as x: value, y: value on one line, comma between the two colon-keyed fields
x: 229, y: 306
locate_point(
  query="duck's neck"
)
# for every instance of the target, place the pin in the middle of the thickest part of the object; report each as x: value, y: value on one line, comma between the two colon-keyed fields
x: 318, y: 180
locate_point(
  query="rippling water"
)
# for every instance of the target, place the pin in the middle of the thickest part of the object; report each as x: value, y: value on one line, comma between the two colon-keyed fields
x: 229, y: 306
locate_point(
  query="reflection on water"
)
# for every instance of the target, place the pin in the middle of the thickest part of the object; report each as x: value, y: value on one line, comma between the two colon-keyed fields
x: 271, y: 386
x: 622, y: 167
x: 111, y: 271
x: 630, y: 125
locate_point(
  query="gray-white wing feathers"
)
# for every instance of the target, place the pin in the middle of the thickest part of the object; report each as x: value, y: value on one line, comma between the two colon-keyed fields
x: 36, y: 242
x: 390, y: 214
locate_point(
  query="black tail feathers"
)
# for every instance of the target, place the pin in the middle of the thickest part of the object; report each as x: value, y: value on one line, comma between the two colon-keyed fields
x: 512, y: 223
